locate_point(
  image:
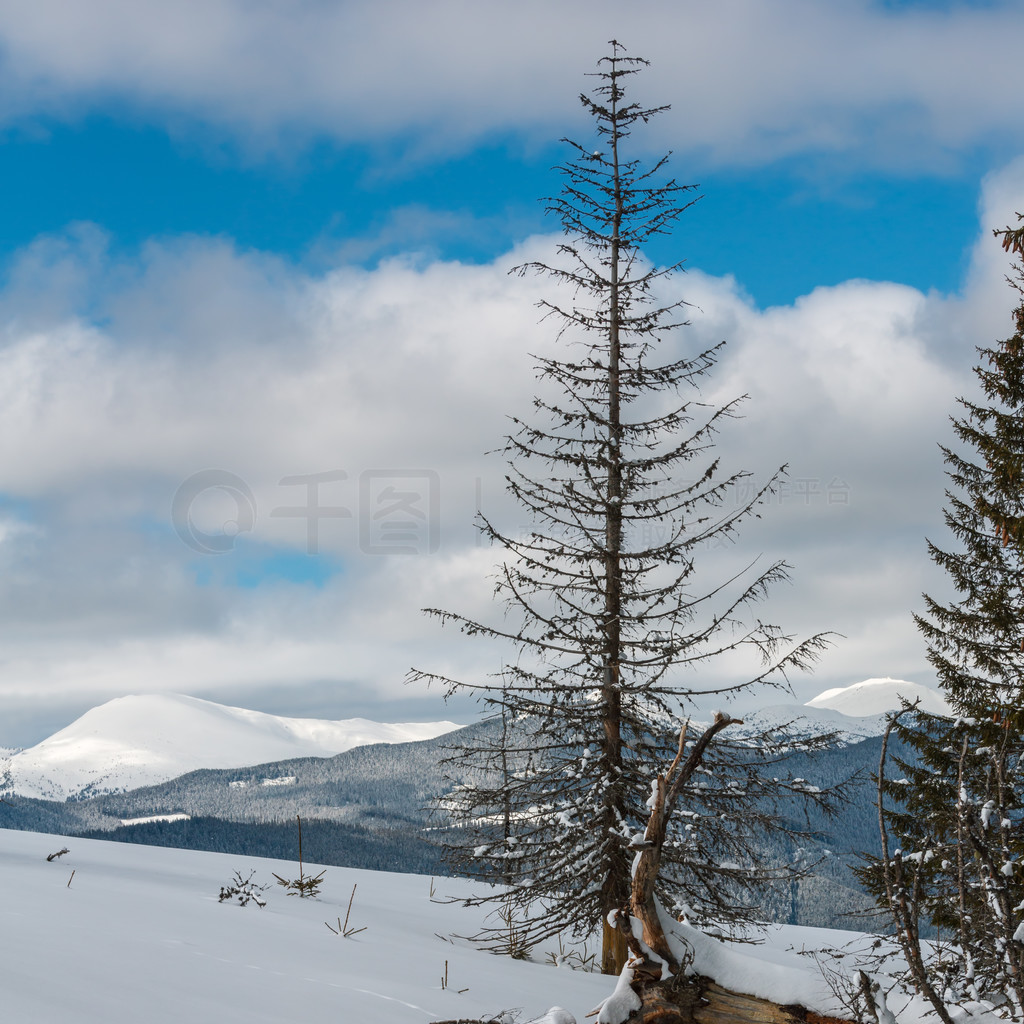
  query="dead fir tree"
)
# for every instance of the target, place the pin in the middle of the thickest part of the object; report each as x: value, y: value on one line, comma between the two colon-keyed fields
x: 604, y: 608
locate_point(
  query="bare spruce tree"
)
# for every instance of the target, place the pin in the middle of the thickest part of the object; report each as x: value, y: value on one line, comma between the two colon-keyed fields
x: 604, y: 609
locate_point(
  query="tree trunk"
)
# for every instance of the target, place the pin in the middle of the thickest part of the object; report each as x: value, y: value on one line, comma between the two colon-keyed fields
x: 643, y: 903
x: 614, y: 949
x: 723, y: 1006
x: 680, y: 999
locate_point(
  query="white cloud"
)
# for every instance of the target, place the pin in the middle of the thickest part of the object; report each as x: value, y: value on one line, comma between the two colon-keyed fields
x: 202, y: 356
x: 749, y: 81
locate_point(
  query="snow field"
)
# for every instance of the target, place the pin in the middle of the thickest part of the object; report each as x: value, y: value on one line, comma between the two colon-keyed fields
x: 140, y: 935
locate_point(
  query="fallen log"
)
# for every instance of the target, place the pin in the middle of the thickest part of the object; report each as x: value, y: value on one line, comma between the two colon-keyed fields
x: 722, y: 1006
x: 702, y: 1001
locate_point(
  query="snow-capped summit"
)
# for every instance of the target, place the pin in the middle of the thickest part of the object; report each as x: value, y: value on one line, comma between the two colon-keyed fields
x: 143, y: 740
x: 878, y: 696
x: 802, y: 720
x: 853, y: 712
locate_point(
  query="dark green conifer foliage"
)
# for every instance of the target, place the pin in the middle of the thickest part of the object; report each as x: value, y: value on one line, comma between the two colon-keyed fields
x: 953, y: 847
x: 953, y: 823
x: 976, y: 642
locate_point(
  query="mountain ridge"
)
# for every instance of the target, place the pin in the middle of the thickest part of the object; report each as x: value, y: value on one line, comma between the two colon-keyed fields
x: 372, y: 806
x: 138, y: 741
x: 879, y: 695
x: 832, y: 711
x: 143, y: 740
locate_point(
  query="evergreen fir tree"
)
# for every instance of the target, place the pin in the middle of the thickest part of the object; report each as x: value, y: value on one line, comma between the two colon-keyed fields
x: 604, y: 608
x: 950, y: 868
x: 976, y: 643
x: 957, y: 812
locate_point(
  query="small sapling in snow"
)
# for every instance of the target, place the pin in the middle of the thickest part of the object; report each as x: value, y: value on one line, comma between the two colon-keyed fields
x: 515, y: 942
x: 305, y: 885
x: 244, y: 890
x: 575, y: 959
x: 444, y: 981
x: 343, y: 929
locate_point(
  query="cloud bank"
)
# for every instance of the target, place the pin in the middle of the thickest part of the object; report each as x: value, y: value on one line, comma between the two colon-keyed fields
x: 120, y: 379
x: 756, y: 81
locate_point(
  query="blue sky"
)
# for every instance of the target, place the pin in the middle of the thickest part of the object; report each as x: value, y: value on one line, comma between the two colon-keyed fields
x: 272, y: 240
x: 801, y: 225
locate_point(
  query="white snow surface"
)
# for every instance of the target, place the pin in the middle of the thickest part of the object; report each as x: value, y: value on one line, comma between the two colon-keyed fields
x: 144, y: 740
x: 771, y: 971
x: 804, y: 720
x: 853, y: 713
x: 139, y: 934
x: 878, y: 696
x: 621, y: 1003
x: 150, y: 818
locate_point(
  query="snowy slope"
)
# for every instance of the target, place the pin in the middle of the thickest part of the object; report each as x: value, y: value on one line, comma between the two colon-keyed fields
x: 853, y: 712
x: 139, y: 935
x: 877, y: 696
x: 804, y: 720
x: 142, y: 740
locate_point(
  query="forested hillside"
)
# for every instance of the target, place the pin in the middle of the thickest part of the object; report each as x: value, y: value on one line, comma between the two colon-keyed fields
x: 372, y: 807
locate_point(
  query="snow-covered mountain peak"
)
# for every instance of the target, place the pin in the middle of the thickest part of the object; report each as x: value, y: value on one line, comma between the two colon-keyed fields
x: 142, y: 740
x: 802, y: 720
x: 879, y: 696
x: 853, y: 712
